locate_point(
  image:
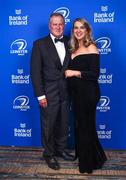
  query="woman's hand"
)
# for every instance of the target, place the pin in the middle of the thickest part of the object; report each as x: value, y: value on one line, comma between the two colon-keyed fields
x: 72, y: 73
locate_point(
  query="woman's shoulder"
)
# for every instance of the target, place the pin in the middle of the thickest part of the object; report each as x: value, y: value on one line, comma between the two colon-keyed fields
x: 93, y: 49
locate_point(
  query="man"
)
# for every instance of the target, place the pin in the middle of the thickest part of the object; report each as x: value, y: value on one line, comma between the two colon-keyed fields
x: 50, y: 57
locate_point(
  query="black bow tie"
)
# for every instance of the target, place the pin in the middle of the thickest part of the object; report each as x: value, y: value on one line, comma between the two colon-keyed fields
x: 57, y: 39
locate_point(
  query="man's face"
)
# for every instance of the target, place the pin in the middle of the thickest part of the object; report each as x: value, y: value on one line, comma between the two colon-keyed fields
x: 56, y: 26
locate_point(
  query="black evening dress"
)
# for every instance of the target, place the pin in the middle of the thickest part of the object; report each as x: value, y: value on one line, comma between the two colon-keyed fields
x: 86, y: 94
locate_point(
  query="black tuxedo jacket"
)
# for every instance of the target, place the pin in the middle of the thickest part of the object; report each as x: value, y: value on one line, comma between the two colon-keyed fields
x: 47, y: 73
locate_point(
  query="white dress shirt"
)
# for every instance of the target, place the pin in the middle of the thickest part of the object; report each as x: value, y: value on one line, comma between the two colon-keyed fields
x: 60, y: 48
x: 61, y: 52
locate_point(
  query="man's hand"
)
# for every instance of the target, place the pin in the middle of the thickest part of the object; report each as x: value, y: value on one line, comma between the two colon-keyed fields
x: 43, y: 103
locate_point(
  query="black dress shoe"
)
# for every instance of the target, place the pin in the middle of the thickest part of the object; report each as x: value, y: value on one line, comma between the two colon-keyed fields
x: 52, y: 162
x: 86, y: 171
x: 65, y: 155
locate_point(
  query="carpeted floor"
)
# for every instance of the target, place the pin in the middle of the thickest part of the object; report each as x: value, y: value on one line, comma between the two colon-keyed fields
x: 27, y: 163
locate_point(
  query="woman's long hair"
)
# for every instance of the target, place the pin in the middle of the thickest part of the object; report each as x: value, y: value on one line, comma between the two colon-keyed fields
x: 88, y: 39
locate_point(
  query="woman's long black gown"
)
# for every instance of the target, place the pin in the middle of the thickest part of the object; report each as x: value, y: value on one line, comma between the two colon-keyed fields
x: 86, y: 94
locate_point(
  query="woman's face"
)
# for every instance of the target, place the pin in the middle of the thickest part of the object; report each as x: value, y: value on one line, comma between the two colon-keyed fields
x: 79, y: 30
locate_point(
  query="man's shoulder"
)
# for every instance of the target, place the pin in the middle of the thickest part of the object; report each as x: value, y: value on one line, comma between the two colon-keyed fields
x: 41, y: 40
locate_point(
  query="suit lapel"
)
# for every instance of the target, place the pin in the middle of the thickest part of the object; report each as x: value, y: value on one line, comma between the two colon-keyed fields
x: 53, y: 52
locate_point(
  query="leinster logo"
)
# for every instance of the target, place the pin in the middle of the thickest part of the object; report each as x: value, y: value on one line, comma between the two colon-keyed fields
x: 103, y: 45
x: 21, y: 103
x: 19, y: 44
x: 103, y: 104
x: 104, y: 101
x: 65, y: 12
x: 18, y: 47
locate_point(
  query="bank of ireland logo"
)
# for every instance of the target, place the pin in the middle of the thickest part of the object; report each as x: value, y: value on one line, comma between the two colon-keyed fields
x: 104, y: 132
x: 65, y: 12
x: 22, y: 125
x: 20, y: 77
x: 22, y: 131
x: 104, y: 16
x: 21, y: 103
x: 19, y: 47
x: 103, y: 104
x: 103, y: 45
x: 104, y: 77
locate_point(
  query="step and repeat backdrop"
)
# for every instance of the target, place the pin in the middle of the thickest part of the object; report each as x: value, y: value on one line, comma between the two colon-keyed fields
x: 22, y: 22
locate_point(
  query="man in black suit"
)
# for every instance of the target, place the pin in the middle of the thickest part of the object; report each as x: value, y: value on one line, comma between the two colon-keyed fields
x: 50, y: 57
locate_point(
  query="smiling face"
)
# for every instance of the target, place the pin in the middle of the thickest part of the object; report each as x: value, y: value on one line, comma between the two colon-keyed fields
x: 56, y: 26
x: 79, y: 30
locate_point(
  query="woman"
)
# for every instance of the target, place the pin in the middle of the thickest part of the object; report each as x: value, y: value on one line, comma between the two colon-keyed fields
x: 83, y: 76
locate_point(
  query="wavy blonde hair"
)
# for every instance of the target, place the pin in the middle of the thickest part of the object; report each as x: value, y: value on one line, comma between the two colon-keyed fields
x: 88, y: 39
